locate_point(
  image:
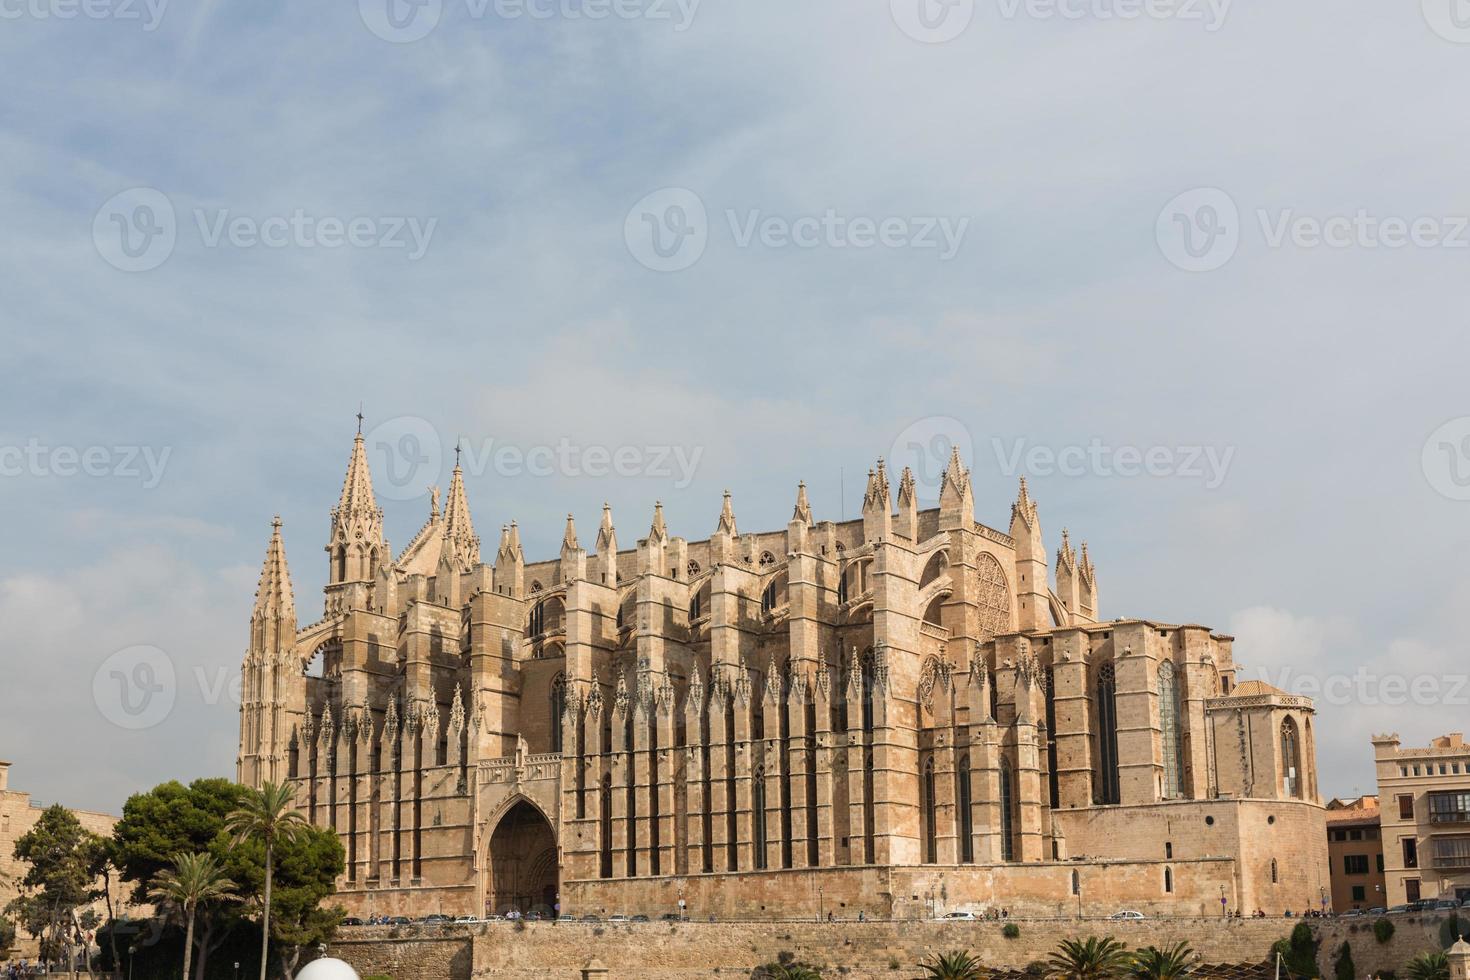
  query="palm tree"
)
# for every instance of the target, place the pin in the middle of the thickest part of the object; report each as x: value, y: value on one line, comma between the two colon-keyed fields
x: 1162, y: 964
x: 1094, y: 959
x: 957, y: 965
x: 193, y: 880
x: 266, y: 815
x: 1429, y: 966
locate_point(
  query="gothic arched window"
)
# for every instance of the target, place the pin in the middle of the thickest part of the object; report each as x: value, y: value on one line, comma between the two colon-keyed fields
x: 558, y: 708
x: 1172, y: 722
x: 1007, y: 816
x: 758, y: 815
x: 967, y: 819
x: 1291, y: 761
x: 868, y: 682
x: 1106, y: 706
x: 931, y: 817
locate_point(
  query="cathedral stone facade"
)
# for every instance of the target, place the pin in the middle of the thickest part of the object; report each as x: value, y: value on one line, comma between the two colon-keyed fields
x: 902, y: 715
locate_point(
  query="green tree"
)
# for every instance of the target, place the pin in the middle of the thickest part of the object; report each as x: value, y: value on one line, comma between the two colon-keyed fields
x: 7, y: 935
x: 955, y: 965
x: 305, y: 873
x: 1298, y: 953
x: 194, y: 879
x: 60, y: 878
x: 1170, y: 963
x: 266, y: 816
x: 1345, y: 969
x: 169, y: 819
x: 173, y: 818
x: 1428, y: 966
x: 1091, y: 959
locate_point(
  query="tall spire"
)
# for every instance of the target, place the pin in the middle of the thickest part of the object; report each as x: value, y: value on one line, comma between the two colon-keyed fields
x: 357, y: 546
x: 803, y: 511
x: 727, y: 517
x: 1024, y: 508
x: 607, y: 548
x: 461, y: 545
x: 274, y: 598
x: 658, y: 533
x: 569, y: 537
x: 877, y: 492
x: 357, y: 489
x: 956, y: 499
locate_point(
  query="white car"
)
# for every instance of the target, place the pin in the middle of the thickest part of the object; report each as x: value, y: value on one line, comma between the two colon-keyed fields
x: 961, y: 916
x: 1126, y: 914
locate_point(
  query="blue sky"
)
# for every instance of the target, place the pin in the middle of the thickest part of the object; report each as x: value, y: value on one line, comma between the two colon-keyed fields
x: 1331, y: 544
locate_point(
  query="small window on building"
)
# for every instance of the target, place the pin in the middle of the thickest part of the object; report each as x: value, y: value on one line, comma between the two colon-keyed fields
x: 1274, y: 877
x: 1355, y: 835
x: 1355, y: 864
x: 1380, y: 862
x: 1168, y: 850
x: 1168, y: 880
x: 1403, y: 770
x: 1406, y: 807
x: 1411, y: 853
x: 1411, y: 889
x: 1416, y: 770
x: 1360, y: 893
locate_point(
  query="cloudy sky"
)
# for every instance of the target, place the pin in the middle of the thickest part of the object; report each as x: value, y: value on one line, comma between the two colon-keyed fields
x: 1198, y: 269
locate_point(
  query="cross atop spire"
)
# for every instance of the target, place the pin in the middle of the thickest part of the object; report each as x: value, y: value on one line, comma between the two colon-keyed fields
x: 456, y: 454
x: 359, y: 418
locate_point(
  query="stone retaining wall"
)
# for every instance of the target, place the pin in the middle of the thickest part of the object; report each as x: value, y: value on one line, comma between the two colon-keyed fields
x: 849, y: 950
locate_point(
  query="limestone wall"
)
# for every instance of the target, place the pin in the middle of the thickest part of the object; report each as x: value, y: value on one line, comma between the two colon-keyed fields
x: 852, y: 950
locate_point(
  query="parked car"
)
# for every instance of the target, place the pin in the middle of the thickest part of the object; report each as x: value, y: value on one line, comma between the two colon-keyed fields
x: 1378, y: 910
x: 671, y: 917
x: 617, y: 918
x: 639, y: 918
x: 961, y: 916
x: 399, y: 920
x: 1353, y: 913
x: 435, y: 919
x: 589, y: 917
x: 466, y: 919
x: 352, y: 921
x: 1127, y: 914
x: 1446, y: 904
x: 1398, y: 910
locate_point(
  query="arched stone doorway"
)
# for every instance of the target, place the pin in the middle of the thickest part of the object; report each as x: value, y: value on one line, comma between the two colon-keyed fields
x: 523, y: 863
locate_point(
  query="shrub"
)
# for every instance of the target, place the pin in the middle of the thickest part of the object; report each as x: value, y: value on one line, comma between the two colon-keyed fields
x: 1011, y: 931
x: 1037, y: 968
x: 1450, y: 928
x: 1298, y: 953
x: 1345, y: 969
x: 1383, y: 930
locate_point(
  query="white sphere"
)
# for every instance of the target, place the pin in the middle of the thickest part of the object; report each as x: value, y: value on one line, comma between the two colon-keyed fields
x: 327, y: 968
